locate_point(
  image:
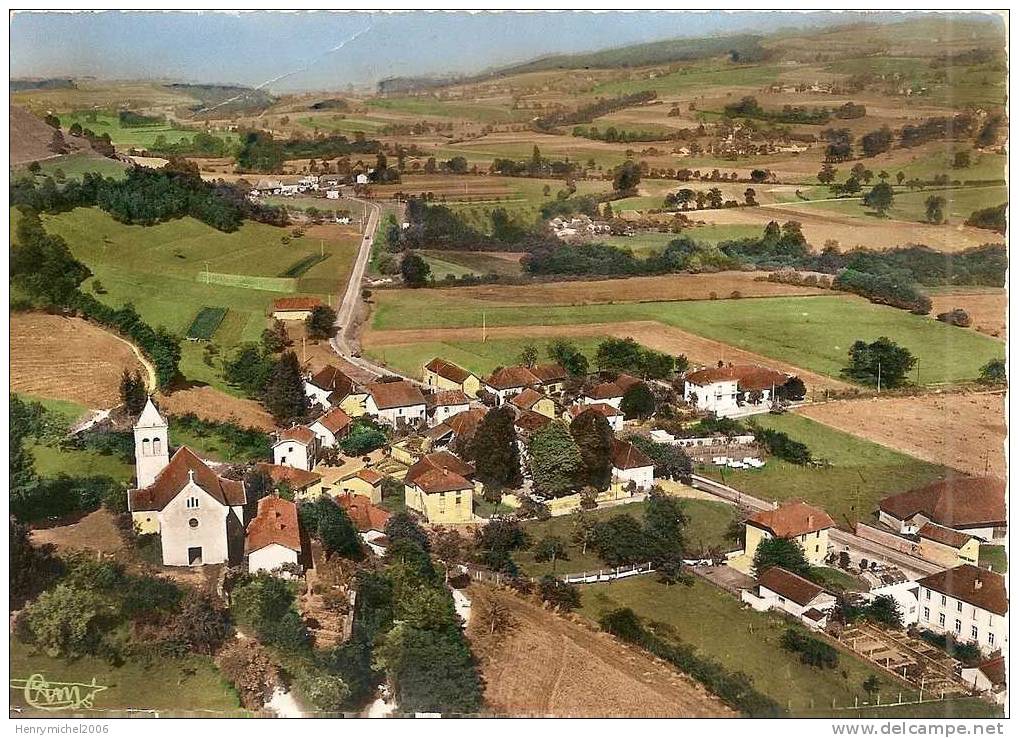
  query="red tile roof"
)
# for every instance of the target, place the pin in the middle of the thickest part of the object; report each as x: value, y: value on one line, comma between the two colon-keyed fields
x: 299, y: 433
x: 529, y: 421
x: 388, y: 395
x: 441, y: 461
x: 465, y: 423
x: 184, y: 466
x: 512, y: 377
x: 335, y: 421
x: 747, y: 377
x: 955, y: 502
x: 627, y: 456
x: 434, y: 481
x: 295, y: 303
x: 792, y: 519
x: 550, y: 373
x: 942, y: 535
x: 604, y: 391
x: 527, y: 399
x: 599, y: 407
x: 625, y: 381
x: 994, y: 670
x: 370, y: 476
x: 979, y: 587
x: 363, y: 513
x: 298, y: 479
x: 276, y: 522
x: 447, y: 398
x: 332, y: 379
x: 791, y: 586
x: 448, y: 370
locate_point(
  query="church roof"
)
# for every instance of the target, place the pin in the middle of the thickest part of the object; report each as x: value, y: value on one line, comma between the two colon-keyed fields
x: 184, y: 467
x: 150, y: 417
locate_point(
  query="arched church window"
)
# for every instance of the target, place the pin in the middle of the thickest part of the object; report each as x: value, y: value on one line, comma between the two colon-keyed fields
x: 157, y: 447
x: 146, y: 447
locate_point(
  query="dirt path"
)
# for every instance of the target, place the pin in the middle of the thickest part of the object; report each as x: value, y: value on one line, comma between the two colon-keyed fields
x: 965, y: 431
x: 650, y: 333
x: 546, y: 665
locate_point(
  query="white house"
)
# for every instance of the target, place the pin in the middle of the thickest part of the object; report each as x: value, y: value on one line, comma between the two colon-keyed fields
x: 971, y: 505
x: 331, y: 427
x: 630, y: 464
x: 613, y: 415
x: 732, y: 390
x: 512, y: 380
x: 968, y: 603
x: 328, y: 386
x: 333, y: 195
x: 396, y: 403
x: 609, y: 393
x: 445, y: 404
x: 988, y: 677
x: 197, y: 514
x: 296, y: 447
x: 294, y: 308
x: 273, y: 538
x: 151, y: 445
x: 780, y: 589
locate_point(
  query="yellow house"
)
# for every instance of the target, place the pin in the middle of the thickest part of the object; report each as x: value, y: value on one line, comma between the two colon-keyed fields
x: 947, y: 547
x: 354, y: 404
x: 438, y: 487
x: 445, y: 375
x: 534, y: 401
x: 365, y: 482
x: 794, y: 521
x: 306, y: 485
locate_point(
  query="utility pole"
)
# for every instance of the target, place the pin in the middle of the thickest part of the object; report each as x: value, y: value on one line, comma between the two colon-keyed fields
x: 304, y: 349
x: 484, y: 328
x: 917, y: 372
x: 879, y: 377
x: 321, y: 248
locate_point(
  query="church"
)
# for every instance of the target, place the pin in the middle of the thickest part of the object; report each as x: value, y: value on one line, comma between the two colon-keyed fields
x: 198, y: 514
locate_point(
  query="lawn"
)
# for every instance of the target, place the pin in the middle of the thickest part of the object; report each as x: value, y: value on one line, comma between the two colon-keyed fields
x: 719, y: 626
x: 995, y: 557
x: 342, y: 124
x: 695, y: 77
x: 647, y: 243
x: 134, y: 136
x: 430, y: 106
x: 706, y: 528
x: 74, y: 166
x: 471, y: 262
x: 860, y: 472
x: 983, y: 164
x: 161, y: 269
x: 911, y: 207
x: 191, y: 686
x: 811, y: 332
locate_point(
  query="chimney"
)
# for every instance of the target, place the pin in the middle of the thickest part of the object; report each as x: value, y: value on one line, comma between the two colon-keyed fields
x: 977, y: 584
x: 810, y: 521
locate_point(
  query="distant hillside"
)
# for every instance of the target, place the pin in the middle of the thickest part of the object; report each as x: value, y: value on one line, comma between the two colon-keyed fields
x: 226, y: 99
x: 31, y: 137
x: 52, y: 83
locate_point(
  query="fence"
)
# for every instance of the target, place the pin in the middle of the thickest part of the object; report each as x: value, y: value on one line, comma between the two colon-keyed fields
x: 586, y: 577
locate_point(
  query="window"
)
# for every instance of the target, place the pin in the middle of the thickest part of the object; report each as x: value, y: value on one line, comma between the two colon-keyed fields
x: 192, y: 504
x: 146, y: 447
x: 193, y: 522
x: 290, y: 450
x: 926, y: 613
x: 958, y: 626
x: 157, y: 447
x: 973, y: 632
x: 941, y: 619
x: 944, y: 600
x: 958, y: 606
x: 927, y: 593
x: 990, y: 639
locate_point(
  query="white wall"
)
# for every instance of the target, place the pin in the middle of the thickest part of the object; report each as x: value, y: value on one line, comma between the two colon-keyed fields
x: 933, y: 605
x: 293, y: 454
x: 270, y: 557
x: 151, y: 454
x: 326, y: 438
x: 642, y: 476
x: 177, y: 535
x: 317, y: 395
x: 444, y: 412
x: 412, y: 414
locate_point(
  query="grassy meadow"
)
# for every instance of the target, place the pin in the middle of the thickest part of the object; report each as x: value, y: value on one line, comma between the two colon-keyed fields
x: 131, y: 136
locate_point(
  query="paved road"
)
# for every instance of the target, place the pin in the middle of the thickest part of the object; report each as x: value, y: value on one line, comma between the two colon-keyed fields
x: 347, y: 311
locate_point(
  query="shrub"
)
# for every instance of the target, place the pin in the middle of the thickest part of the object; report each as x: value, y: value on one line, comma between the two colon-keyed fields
x: 560, y: 595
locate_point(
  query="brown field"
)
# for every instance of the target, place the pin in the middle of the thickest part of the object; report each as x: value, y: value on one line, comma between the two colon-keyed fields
x: 211, y: 404
x: 963, y: 431
x: 30, y: 138
x: 548, y: 666
x: 987, y: 308
x: 93, y: 532
x: 636, y: 289
x: 654, y: 335
x: 450, y: 187
x: 68, y: 359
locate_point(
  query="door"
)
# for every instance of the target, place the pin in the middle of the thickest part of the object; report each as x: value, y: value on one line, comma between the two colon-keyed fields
x: 195, y: 556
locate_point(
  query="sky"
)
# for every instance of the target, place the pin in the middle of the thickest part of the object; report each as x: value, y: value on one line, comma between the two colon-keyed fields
x: 314, y: 51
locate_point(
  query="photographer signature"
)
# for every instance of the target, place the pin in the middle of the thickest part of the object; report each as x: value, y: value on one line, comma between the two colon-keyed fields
x: 53, y: 696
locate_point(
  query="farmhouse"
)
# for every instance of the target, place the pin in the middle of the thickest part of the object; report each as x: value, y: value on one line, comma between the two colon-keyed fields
x: 631, y: 465
x: 609, y: 393
x: 794, y: 521
x: 445, y: 404
x: 365, y: 482
x: 534, y: 401
x: 296, y: 447
x: 510, y: 381
x: 304, y: 484
x: 946, y: 546
x: 273, y: 539
x: 971, y: 505
x: 613, y: 415
x: 369, y: 520
x: 396, y: 403
x: 445, y: 375
x: 968, y: 603
x: 438, y: 486
x: 197, y: 514
x: 732, y: 390
x: 331, y: 427
x: 466, y: 423
x: 331, y: 387
x: 294, y: 308
x: 780, y: 589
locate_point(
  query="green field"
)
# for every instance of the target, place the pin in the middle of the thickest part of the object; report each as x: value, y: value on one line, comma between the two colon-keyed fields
x: 811, y: 332
x: 134, y: 136
x: 430, y: 106
x: 860, y: 472
x: 74, y: 166
x: 191, y: 686
x: 695, y: 77
x: 341, y: 124
x: 705, y: 530
x: 524, y: 199
x: 911, y: 206
x: 719, y: 626
x: 204, y: 326
x: 161, y: 270
x: 983, y: 165
x: 469, y: 262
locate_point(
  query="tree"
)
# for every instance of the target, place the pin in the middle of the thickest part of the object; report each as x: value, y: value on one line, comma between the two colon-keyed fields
x: 593, y: 436
x: 961, y: 160
x: 750, y: 196
x: 618, y: 354
x: 559, y: 594
x: 794, y: 389
x: 993, y: 372
x: 414, y: 270
x: 935, y: 209
x: 568, y: 356
x: 364, y: 436
x: 200, y: 624
x: 529, y: 355
x: 494, y: 450
x: 66, y: 621
x: 133, y: 392
x: 880, y: 197
x: 782, y: 552
x: 321, y: 323
x: 335, y: 529
x: 620, y: 540
x: 284, y: 390
x: 637, y: 402
x: 402, y: 526
x: 872, y: 684
x: 554, y: 459
x: 30, y: 567
x: 671, y: 462
x: 900, y: 177
x: 251, y: 671
x: 881, y: 363
x: 626, y: 177
x: 551, y: 548
x: 275, y: 338
x: 827, y: 174
x: 582, y: 529
x: 249, y: 369
x: 885, y: 610
x: 664, y: 523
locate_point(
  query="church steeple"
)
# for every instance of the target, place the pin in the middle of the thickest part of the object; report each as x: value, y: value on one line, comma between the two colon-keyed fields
x: 151, y: 445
